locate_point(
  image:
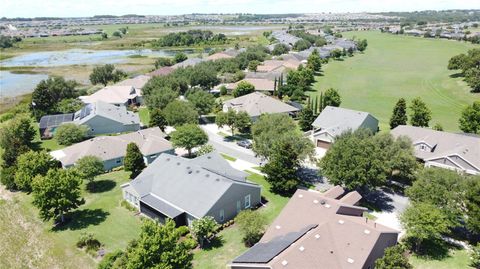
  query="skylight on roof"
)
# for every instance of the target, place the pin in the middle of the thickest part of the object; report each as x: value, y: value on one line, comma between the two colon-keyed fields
x: 284, y: 262
x: 300, y: 196
x: 350, y: 260
x: 366, y: 231
x: 327, y: 205
x: 315, y: 201
x: 317, y: 236
x: 301, y: 248
x: 278, y: 227
x: 341, y: 221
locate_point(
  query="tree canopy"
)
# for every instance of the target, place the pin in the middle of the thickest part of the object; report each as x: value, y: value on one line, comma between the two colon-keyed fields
x: 332, y: 98
x: 180, y: 112
x: 89, y: 167
x: 395, y: 257
x: 399, y: 114
x: 70, y: 133
x: 204, y: 228
x: 201, y: 100
x: 420, y: 113
x: 234, y: 120
x: 48, y: 94
x: 243, y: 88
x: 157, y: 119
x: 252, y: 225
x: 188, y: 136
x: 106, y: 73
x: 133, y: 161
x: 271, y: 128
x: 57, y: 193
x: 469, y: 67
x: 31, y: 164
x: 470, y: 118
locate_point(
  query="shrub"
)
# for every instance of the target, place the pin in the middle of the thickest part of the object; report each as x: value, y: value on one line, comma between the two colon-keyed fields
x: 223, y: 90
x: 252, y: 225
x: 190, y: 242
x: 128, y: 206
x: 204, y: 228
x: 108, y: 261
x: 183, y: 230
x: 88, y: 241
x: 70, y: 133
x: 475, y: 256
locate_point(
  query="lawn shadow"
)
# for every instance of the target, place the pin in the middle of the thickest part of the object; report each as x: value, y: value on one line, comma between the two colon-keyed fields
x: 377, y: 200
x: 436, y: 250
x: 216, y: 242
x: 101, y: 185
x: 456, y: 75
x: 81, y: 219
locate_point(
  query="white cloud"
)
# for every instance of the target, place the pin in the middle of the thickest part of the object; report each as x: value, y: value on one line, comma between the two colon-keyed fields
x: 76, y: 8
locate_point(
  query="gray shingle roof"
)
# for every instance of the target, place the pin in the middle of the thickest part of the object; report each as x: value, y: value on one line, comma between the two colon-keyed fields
x: 194, y: 185
x: 161, y: 206
x: 256, y: 104
x: 336, y: 120
x: 109, y: 111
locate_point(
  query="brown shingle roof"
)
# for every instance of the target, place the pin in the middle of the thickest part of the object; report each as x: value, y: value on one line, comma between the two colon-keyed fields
x: 163, y: 71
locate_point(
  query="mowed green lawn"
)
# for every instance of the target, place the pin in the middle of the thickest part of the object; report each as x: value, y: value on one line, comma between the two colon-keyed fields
x: 399, y: 66
x: 458, y: 259
x: 27, y: 242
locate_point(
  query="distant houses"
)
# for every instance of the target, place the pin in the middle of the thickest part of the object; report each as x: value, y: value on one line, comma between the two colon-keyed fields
x: 260, y: 84
x: 188, y: 189
x: 256, y: 104
x: 459, y: 152
x: 333, y: 121
x: 112, y: 149
x: 320, y: 230
x: 99, y: 117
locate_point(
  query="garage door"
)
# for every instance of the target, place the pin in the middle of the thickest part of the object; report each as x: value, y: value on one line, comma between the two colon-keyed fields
x: 323, y: 144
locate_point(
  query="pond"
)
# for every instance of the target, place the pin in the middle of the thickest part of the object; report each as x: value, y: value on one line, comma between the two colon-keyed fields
x: 82, y: 57
x: 14, y: 84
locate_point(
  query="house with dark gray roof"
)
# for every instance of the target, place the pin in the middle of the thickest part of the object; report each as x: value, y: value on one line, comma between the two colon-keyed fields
x: 453, y: 151
x: 188, y: 189
x: 319, y: 230
x: 333, y: 121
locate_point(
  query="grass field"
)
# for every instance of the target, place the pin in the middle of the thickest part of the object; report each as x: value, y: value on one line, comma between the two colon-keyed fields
x: 29, y: 242
x: 218, y: 257
x: 400, y: 66
x: 458, y: 259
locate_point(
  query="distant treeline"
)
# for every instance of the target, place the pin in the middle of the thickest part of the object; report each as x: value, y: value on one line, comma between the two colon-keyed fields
x: 7, y: 42
x: 190, y: 38
x: 437, y: 16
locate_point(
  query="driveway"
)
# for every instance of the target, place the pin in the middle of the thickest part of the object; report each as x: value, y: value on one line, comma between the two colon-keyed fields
x: 228, y: 147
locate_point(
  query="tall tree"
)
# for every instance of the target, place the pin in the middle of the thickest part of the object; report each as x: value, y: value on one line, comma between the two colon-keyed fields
x: 472, y: 204
x: 159, y: 98
x: 243, y: 88
x: 16, y: 137
x: 314, y: 61
x: 425, y: 224
x: 332, y: 98
x: 270, y: 128
x: 48, y: 93
x: 159, y: 246
x: 282, y: 166
x: 106, y: 73
x: 252, y: 225
x: 89, y: 167
x: 420, y: 114
x: 188, y: 136
x: 234, y: 120
x: 179, y: 112
x: 133, y: 161
x: 362, y: 45
x: 157, y: 119
x: 399, y: 115
x: 201, y: 100
x: 57, y: 193
x: 31, y: 164
x: 470, y: 119
x: 306, y: 119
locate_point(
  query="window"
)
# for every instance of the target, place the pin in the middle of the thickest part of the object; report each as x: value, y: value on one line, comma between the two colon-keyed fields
x: 247, y: 201
x: 119, y: 161
x: 222, y: 215
x: 239, y: 207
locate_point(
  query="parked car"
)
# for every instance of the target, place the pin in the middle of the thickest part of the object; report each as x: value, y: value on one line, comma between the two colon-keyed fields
x: 245, y: 144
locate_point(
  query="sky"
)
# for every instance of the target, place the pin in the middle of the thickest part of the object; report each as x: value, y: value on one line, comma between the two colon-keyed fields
x: 82, y: 8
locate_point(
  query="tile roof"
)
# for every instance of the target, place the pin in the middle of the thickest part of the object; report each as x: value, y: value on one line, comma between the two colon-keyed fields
x: 116, y: 94
x: 162, y: 71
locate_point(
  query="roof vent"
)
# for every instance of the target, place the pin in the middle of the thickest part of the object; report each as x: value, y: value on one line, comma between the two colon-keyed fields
x: 301, y: 248
x: 300, y: 196
x: 217, y: 179
x: 168, y: 159
x: 284, y: 262
x: 350, y: 260
x: 315, y: 201
x: 197, y: 171
x: 341, y: 221
x: 207, y: 175
x: 209, y: 157
x: 190, y: 171
x: 327, y: 205
x: 178, y: 163
x: 322, y: 202
x: 278, y: 227
x: 317, y: 236
x: 366, y: 231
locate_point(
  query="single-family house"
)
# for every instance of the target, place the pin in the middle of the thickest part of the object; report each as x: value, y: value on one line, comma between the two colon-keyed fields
x: 319, y: 230
x: 188, y: 62
x: 137, y: 82
x: 112, y: 149
x: 256, y: 104
x: 99, y: 117
x: 260, y: 84
x: 278, y: 65
x: 188, y: 189
x: 218, y: 56
x: 116, y: 94
x: 105, y: 118
x: 453, y: 151
x: 333, y: 121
